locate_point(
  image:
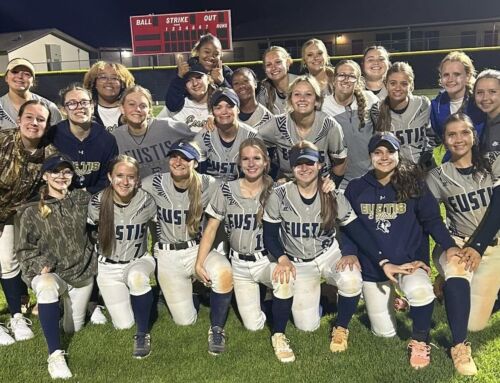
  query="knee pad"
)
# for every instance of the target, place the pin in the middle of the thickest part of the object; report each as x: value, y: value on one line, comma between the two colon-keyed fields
x: 222, y: 279
x: 455, y: 270
x: 420, y: 295
x: 350, y: 283
x: 138, y: 283
x: 283, y: 290
x: 47, y: 289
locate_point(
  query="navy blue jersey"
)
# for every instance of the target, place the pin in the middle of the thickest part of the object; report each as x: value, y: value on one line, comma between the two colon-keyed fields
x: 398, y: 227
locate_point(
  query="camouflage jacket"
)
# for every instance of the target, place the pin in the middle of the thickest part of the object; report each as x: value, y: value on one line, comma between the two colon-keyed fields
x: 59, y: 241
x: 20, y: 171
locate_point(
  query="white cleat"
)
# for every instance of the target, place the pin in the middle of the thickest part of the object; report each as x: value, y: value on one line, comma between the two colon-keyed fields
x: 58, y: 369
x: 5, y: 338
x: 19, y: 325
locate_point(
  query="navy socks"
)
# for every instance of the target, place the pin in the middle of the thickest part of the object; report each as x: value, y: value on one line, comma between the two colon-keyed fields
x: 13, y: 289
x: 345, y: 310
x: 281, y: 310
x: 141, y: 306
x: 421, y: 317
x: 48, y: 313
x: 219, y: 306
x: 457, y: 303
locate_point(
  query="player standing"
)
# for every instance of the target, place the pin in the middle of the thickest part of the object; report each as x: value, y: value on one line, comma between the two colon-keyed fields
x: 273, y: 90
x: 316, y: 62
x: 56, y: 256
x: 375, y: 64
x: 144, y: 137
x: 120, y: 214
x: 106, y: 81
x: 22, y: 152
x: 305, y: 122
x: 487, y: 96
x: 239, y: 204
x: 394, y: 204
x: 20, y: 78
x: 349, y: 105
x: 181, y: 197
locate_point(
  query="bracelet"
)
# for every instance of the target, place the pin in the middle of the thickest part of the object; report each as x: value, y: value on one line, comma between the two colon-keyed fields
x: 383, y: 262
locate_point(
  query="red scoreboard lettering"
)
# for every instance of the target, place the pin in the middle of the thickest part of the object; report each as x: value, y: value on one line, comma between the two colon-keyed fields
x: 178, y: 32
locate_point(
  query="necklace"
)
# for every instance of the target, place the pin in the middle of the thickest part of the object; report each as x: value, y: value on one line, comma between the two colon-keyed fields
x: 142, y: 137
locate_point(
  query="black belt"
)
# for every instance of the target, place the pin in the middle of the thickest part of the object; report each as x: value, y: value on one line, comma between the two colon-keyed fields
x: 493, y: 243
x: 178, y: 245
x: 300, y: 260
x: 250, y: 257
x: 103, y: 259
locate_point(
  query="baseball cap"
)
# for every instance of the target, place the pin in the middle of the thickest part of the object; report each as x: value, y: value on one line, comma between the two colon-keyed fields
x: 303, y: 155
x: 21, y: 62
x: 55, y: 161
x: 188, y: 150
x: 224, y: 94
x: 195, y: 67
x: 387, y: 138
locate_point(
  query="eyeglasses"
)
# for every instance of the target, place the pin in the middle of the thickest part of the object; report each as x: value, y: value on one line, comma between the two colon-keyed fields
x: 73, y: 105
x: 62, y: 173
x: 104, y: 78
x: 347, y: 77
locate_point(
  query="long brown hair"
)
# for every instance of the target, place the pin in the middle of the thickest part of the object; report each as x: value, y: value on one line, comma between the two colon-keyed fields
x: 266, y: 178
x: 480, y: 165
x: 384, y: 119
x: 329, y: 207
x: 106, y: 231
x: 358, y: 89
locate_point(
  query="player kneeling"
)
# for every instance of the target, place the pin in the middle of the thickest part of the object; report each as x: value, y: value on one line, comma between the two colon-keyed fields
x: 240, y: 204
x: 121, y: 213
x: 181, y: 197
x: 57, y: 258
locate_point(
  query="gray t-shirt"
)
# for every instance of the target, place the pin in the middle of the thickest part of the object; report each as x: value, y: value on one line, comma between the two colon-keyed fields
x: 8, y: 114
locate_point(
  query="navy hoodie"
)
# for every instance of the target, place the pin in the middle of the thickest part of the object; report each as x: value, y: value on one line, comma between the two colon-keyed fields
x: 90, y: 156
x: 398, y: 227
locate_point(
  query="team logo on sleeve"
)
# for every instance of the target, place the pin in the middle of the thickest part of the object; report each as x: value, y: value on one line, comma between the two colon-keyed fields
x: 157, y: 186
x: 228, y: 195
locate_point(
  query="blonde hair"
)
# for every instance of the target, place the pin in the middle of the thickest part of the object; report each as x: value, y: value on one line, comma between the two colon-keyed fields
x: 126, y: 78
x: 138, y: 89
x: 267, y: 84
x: 106, y: 231
x: 358, y: 89
x: 466, y: 61
x: 44, y: 209
x: 314, y: 85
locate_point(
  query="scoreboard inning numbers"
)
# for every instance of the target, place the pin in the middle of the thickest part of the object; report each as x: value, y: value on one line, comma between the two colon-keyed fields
x: 178, y: 32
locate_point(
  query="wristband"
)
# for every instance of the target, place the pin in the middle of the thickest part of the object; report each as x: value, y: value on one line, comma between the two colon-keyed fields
x: 383, y: 262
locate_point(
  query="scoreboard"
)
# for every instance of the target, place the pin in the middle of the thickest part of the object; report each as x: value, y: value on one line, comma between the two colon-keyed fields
x: 178, y: 32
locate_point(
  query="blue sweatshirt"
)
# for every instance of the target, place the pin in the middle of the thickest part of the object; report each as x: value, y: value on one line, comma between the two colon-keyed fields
x: 398, y: 227
x: 90, y: 156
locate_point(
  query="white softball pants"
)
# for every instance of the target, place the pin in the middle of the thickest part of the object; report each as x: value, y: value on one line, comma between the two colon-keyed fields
x: 484, y: 282
x: 50, y: 286
x: 379, y: 299
x: 175, y: 273
x: 246, y: 278
x: 307, y: 286
x: 118, y: 281
x: 9, y: 265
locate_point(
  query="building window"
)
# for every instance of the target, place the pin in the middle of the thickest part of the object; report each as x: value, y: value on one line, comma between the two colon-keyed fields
x: 399, y: 41
x: 490, y: 38
x: 357, y: 46
x: 417, y: 41
x: 468, y: 39
x: 431, y: 39
x: 262, y: 48
x: 384, y: 39
x: 239, y: 54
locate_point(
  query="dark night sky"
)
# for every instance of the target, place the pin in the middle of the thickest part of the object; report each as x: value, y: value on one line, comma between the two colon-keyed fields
x: 106, y: 23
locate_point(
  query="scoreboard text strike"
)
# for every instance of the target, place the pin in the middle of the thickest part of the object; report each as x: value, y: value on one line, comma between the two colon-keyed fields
x: 178, y: 32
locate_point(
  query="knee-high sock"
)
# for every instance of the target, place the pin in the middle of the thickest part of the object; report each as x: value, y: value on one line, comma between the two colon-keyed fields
x: 48, y: 313
x: 281, y: 312
x: 346, y: 309
x: 13, y: 290
x: 457, y: 303
x: 421, y: 317
x: 219, y: 306
x: 141, y: 306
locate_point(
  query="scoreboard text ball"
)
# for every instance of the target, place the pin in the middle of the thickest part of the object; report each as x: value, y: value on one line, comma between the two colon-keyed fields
x: 178, y: 32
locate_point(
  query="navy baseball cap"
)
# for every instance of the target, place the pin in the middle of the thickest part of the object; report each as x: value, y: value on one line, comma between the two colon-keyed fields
x: 195, y: 68
x: 56, y: 162
x: 186, y: 149
x: 387, y: 139
x: 303, y: 155
x: 224, y: 94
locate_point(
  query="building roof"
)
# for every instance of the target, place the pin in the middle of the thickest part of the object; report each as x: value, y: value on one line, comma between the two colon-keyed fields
x: 15, y: 40
x: 309, y: 18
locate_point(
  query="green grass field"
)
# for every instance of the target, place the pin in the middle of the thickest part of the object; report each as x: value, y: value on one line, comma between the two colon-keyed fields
x: 102, y: 354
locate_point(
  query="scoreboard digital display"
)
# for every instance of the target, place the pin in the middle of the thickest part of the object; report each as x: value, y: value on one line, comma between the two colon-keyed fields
x: 178, y: 32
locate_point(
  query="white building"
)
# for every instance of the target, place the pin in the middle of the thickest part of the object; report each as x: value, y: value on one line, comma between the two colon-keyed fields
x: 47, y: 49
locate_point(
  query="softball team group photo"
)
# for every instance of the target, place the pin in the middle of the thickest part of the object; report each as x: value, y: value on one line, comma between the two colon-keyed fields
x: 253, y: 194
